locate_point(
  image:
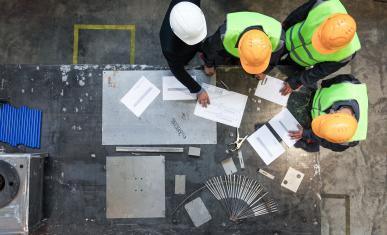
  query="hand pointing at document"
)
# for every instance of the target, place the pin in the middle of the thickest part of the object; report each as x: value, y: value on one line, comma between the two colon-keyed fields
x: 203, y: 98
x: 286, y: 89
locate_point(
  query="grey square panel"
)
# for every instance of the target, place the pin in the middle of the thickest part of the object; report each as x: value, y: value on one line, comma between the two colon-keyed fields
x: 135, y: 187
x: 198, y: 212
x: 162, y: 123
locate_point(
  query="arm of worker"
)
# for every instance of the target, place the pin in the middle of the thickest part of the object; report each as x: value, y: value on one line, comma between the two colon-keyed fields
x: 181, y: 74
x: 310, y: 77
x: 298, y: 14
x: 213, y: 45
x: 277, y: 54
x: 184, y: 77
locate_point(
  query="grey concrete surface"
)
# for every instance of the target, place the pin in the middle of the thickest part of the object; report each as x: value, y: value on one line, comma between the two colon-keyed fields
x: 75, y: 173
x: 38, y: 32
x: 154, y: 126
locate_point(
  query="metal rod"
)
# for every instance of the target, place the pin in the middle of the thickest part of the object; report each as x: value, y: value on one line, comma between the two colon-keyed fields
x: 150, y: 149
x: 240, y: 196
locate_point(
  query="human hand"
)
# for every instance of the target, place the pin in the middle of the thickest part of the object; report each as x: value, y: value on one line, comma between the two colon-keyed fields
x: 286, y: 89
x: 296, y: 135
x: 260, y: 76
x: 209, y: 71
x: 203, y: 98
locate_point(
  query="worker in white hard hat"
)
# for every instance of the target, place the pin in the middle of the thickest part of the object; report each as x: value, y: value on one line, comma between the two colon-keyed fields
x: 181, y: 35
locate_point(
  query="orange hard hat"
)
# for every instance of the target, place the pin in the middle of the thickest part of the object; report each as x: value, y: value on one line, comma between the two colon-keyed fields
x: 334, y: 33
x: 335, y: 127
x: 254, y: 50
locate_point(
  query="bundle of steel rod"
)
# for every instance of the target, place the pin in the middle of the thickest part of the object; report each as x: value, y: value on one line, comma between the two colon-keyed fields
x: 241, y: 196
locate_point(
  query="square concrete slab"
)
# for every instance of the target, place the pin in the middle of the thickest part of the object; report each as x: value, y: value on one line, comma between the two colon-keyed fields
x: 135, y: 187
x: 198, y: 212
x: 162, y: 123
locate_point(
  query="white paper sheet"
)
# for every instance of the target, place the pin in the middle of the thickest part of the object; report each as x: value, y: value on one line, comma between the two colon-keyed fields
x: 292, y: 179
x: 229, y: 166
x: 269, y: 89
x: 140, y: 96
x: 175, y: 90
x: 282, y: 123
x: 265, y: 144
x: 226, y: 107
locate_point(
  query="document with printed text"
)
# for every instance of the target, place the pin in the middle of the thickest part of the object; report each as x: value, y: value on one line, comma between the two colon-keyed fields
x: 140, y: 96
x: 225, y: 106
x: 282, y: 123
x: 266, y: 145
x: 269, y: 89
x: 173, y: 89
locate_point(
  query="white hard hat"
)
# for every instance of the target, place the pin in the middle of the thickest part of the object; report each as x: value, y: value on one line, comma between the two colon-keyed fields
x: 188, y: 23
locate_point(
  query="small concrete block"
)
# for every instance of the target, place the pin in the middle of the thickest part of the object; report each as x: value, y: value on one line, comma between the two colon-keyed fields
x: 194, y: 152
x: 292, y: 179
x: 198, y: 212
x: 179, y: 184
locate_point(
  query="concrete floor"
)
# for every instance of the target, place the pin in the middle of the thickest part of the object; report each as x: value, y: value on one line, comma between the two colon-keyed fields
x: 42, y: 33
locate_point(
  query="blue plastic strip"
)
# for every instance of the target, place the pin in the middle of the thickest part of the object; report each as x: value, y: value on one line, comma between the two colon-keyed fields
x: 20, y: 126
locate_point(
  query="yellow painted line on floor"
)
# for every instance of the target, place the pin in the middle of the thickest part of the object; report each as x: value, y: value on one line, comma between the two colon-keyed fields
x: 130, y: 27
x: 347, y: 208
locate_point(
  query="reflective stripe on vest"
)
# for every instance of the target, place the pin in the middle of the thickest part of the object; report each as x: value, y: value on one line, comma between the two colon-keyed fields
x: 299, y: 36
x: 326, y: 97
x: 237, y: 22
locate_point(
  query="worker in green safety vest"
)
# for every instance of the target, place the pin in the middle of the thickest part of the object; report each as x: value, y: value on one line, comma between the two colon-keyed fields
x: 253, y: 39
x: 339, y: 116
x: 320, y: 39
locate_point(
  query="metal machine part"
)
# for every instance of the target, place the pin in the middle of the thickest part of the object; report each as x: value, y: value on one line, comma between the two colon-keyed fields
x: 236, y: 145
x: 241, y: 196
x: 9, y: 183
x: 21, y: 194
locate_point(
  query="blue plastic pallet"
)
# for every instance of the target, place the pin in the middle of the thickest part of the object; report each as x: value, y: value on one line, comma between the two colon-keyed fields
x: 20, y: 126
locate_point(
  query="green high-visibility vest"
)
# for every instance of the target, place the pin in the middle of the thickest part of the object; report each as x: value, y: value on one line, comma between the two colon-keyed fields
x: 326, y: 97
x: 237, y: 22
x: 299, y: 36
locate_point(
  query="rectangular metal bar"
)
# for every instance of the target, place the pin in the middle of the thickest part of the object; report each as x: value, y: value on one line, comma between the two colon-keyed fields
x: 150, y: 149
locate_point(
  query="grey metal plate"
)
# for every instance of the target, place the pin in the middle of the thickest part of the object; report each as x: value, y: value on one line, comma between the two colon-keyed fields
x: 198, y: 212
x: 14, y: 217
x: 135, y: 187
x: 162, y: 123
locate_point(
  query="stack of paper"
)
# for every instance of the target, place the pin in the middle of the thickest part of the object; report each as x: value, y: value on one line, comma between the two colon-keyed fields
x: 226, y: 107
x: 266, y: 145
x: 269, y: 89
x: 140, y: 96
x: 175, y: 90
x: 282, y: 123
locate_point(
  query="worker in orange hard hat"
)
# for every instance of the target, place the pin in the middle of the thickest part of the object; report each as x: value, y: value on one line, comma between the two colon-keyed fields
x: 320, y: 39
x: 339, y: 116
x: 253, y: 39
